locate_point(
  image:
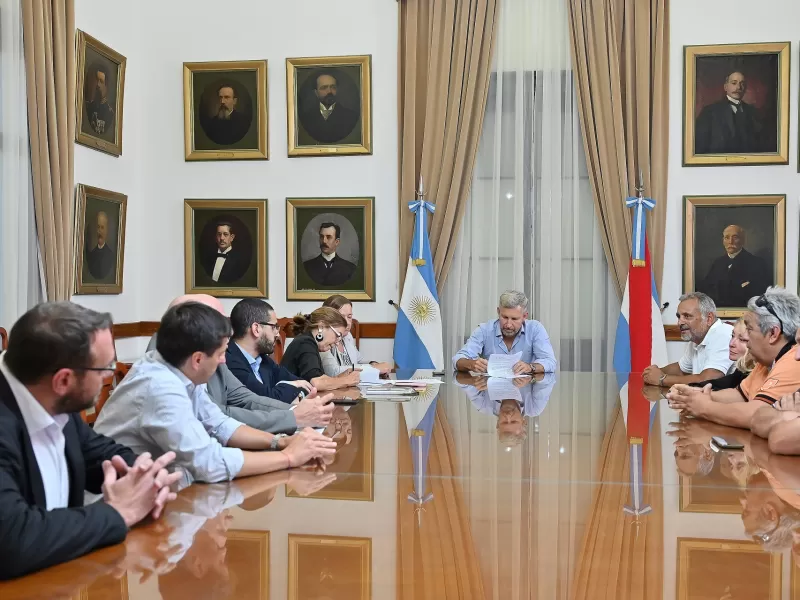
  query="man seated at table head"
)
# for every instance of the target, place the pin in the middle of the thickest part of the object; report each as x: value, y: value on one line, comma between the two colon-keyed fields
x: 706, y: 356
x: 772, y: 321
x: 162, y: 404
x: 259, y: 411
x: 255, y: 326
x: 58, y: 355
x: 510, y: 333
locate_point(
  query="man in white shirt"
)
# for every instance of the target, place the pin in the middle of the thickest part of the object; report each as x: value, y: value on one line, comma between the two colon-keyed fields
x: 58, y: 354
x: 706, y: 356
x: 163, y: 404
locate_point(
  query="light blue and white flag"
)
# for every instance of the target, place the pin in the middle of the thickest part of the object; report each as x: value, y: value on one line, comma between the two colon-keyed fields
x: 418, y: 337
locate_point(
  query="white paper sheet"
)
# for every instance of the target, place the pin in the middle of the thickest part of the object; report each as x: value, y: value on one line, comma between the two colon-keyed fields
x: 500, y: 389
x: 369, y: 375
x: 502, y: 365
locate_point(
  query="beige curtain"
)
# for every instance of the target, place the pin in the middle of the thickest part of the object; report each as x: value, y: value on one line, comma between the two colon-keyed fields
x: 445, y: 63
x: 436, y: 557
x: 49, y: 40
x: 620, y: 51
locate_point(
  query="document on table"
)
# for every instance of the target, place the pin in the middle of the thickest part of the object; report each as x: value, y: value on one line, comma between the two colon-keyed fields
x: 502, y: 365
x: 369, y: 375
x: 500, y: 389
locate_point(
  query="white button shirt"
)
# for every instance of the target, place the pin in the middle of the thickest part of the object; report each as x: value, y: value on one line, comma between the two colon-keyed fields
x: 711, y: 353
x: 47, y: 438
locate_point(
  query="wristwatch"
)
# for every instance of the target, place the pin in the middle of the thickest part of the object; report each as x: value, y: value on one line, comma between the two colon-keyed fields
x: 533, y: 368
x: 275, y: 438
x: 661, y: 379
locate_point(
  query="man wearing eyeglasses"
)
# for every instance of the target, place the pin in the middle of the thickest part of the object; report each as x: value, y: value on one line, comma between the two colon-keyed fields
x: 772, y: 322
x: 58, y: 354
x: 255, y: 327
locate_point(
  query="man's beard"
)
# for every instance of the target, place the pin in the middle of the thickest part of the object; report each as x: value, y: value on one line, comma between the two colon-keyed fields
x: 224, y: 113
x: 75, y: 402
x: 98, y: 97
x: 265, y: 346
x: 328, y: 100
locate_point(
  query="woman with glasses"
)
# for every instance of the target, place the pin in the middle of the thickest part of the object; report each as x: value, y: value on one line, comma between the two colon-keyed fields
x: 344, y: 356
x: 313, y: 334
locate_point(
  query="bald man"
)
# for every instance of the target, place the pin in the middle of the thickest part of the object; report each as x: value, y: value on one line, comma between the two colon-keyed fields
x: 260, y: 412
x: 101, y: 259
x: 736, y: 276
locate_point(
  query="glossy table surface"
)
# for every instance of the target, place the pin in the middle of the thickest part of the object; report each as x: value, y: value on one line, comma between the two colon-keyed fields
x: 580, y: 494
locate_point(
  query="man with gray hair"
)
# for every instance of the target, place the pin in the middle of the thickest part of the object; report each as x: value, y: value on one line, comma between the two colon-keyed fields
x: 706, y: 357
x: 772, y: 322
x: 511, y: 333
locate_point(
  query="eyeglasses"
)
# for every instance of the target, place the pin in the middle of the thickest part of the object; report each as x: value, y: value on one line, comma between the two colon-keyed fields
x: 275, y: 326
x: 110, y: 368
x: 762, y: 301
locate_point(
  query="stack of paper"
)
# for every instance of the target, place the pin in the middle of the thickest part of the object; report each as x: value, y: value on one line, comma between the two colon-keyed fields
x: 502, y: 365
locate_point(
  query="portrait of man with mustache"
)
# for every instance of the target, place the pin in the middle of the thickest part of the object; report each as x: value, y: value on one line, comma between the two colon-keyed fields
x: 326, y: 120
x: 328, y: 268
x: 99, y: 108
x: 228, y: 124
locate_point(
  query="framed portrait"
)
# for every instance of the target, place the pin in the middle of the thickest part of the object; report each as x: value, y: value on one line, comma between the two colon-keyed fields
x: 99, y: 94
x: 353, y: 430
x: 99, y: 240
x: 713, y: 569
x: 225, y: 245
x: 225, y: 110
x: 734, y: 247
x: 330, y: 248
x: 717, y: 492
x: 330, y: 567
x: 329, y: 101
x: 247, y: 558
x: 736, y: 104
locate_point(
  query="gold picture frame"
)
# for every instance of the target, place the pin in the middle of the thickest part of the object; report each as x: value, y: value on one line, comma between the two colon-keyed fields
x: 712, y: 499
x: 241, y: 86
x: 712, y: 133
x: 247, y: 553
x: 98, y: 121
x: 353, y: 431
x: 353, y: 221
x: 234, y: 227
x: 741, y: 568
x: 346, y: 128
x: 99, y: 256
x: 319, y: 563
x: 106, y: 587
x: 707, y: 220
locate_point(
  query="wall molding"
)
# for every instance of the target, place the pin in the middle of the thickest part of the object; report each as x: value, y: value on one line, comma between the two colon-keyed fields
x: 374, y: 331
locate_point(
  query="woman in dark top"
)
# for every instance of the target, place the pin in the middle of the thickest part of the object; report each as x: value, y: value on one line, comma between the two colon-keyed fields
x: 743, y: 362
x: 313, y: 334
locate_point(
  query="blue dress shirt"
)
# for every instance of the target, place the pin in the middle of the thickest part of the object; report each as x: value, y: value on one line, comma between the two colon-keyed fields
x: 532, y: 341
x: 534, y: 397
x: 156, y: 408
x: 255, y: 363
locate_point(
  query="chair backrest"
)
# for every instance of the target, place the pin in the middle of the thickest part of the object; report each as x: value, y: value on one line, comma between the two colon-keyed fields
x: 109, y: 383
x: 3, y: 339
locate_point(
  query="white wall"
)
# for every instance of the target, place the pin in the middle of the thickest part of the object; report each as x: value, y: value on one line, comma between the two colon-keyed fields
x: 711, y: 22
x: 157, y: 37
x: 725, y: 22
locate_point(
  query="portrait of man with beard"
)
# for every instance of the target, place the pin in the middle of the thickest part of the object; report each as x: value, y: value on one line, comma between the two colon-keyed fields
x: 228, y: 124
x: 101, y: 259
x: 325, y: 119
x: 99, y: 108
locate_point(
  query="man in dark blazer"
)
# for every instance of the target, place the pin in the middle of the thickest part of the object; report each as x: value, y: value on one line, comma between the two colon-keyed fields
x: 228, y: 125
x: 101, y: 259
x: 730, y: 126
x: 738, y: 275
x: 255, y: 326
x: 227, y: 264
x: 328, y: 121
x: 58, y: 354
x: 328, y: 269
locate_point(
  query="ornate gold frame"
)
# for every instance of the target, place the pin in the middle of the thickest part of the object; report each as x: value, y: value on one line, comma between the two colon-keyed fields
x: 364, y: 544
x: 690, y: 53
x: 262, y: 538
x: 80, y: 238
x: 709, y: 545
x: 365, y: 147
x: 688, y: 505
x: 293, y: 261
x: 259, y: 251
x: 261, y: 110
x: 83, y: 40
x: 778, y: 201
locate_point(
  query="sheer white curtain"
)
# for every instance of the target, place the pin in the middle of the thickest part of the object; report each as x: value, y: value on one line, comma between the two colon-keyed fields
x: 530, y: 222
x: 20, y: 282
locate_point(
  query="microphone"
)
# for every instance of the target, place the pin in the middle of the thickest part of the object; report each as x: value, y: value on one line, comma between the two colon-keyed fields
x: 664, y: 306
x: 396, y: 306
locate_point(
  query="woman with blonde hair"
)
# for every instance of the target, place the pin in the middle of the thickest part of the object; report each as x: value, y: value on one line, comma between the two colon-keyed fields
x: 344, y: 356
x: 737, y: 352
x: 313, y: 334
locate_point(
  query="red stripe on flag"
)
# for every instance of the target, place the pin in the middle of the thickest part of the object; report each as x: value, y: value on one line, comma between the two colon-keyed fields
x: 638, y: 412
x: 640, y: 315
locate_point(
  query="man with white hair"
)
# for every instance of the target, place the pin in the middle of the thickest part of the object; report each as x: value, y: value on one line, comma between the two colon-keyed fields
x: 706, y: 357
x: 772, y: 322
x: 511, y: 333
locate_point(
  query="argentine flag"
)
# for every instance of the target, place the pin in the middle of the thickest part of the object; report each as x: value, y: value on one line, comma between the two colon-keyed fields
x: 418, y: 337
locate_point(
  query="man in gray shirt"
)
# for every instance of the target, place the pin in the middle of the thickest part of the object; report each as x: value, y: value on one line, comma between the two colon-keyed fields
x: 259, y: 412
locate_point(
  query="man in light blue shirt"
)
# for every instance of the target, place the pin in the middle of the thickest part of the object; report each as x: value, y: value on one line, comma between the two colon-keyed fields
x: 163, y: 403
x: 511, y: 333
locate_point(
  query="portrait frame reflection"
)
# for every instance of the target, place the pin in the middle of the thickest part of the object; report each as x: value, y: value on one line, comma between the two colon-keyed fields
x: 331, y: 567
